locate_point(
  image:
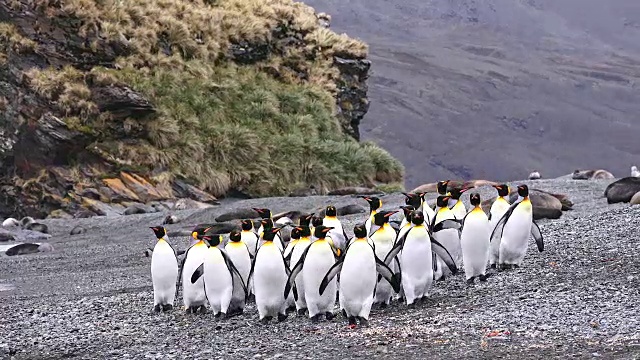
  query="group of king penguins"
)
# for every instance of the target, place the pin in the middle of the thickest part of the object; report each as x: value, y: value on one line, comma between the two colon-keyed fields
x: 384, y: 259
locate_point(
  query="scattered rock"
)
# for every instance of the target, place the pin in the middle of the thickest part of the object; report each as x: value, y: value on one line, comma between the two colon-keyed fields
x: 100, y: 208
x: 120, y: 191
x: 170, y: 219
x: 238, y: 214
x: 534, y: 175
x: 634, y: 171
x: 184, y: 190
x: 354, y: 190
x: 59, y: 214
x: 591, y: 174
x: 45, y: 247
x: 635, y: 200
x: 77, y: 230
x: 6, y: 236
x: 622, y: 190
x: 143, y: 189
x: 187, y: 204
x: 84, y: 213
x: 92, y: 193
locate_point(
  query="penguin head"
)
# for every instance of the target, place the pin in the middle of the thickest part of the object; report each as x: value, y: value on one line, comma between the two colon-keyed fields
x: 413, y: 199
x: 235, y: 236
x: 417, y: 217
x: 442, y: 201
x: 331, y: 211
x: 360, y: 231
x: 321, y: 231
x: 474, y: 199
x: 316, y: 221
x: 456, y: 193
x: 305, y: 219
x: 212, y: 240
x: 407, y: 210
x: 263, y: 212
x: 523, y: 190
x: 374, y: 202
x: 503, y: 189
x: 442, y: 186
x: 159, y: 231
x: 199, y: 231
x: 296, y: 233
x: 266, y: 223
x: 382, y: 217
x: 270, y: 233
x: 305, y: 231
x: 247, y: 225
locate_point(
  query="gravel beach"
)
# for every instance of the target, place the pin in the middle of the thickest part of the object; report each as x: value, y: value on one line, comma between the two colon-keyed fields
x: 92, y: 297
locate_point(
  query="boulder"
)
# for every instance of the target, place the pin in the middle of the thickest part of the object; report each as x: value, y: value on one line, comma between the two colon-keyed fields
x: 184, y: 190
x: 100, y: 208
x: 622, y: 190
x: 142, y: 188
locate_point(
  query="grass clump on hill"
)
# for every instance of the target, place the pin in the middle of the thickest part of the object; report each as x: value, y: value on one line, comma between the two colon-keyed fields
x: 219, y: 124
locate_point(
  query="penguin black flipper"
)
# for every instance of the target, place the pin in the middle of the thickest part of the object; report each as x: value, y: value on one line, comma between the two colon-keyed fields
x: 444, y: 254
x: 397, y: 247
x: 233, y: 269
x: 331, y: 273
x: 503, y: 220
x: 184, y: 259
x: 537, y: 236
x: 295, y: 271
x: 373, y: 229
x: 197, y: 273
x: 385, y: 272
x: 447, y: 224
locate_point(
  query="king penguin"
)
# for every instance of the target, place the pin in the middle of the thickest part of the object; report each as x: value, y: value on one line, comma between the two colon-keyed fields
x: 456, y: 205
x: 498, y: 208
x: 314, y: 262
x: 337, y: 233
x: 288, y: 251
x: 193, y: 293
x: 240, y: 256
x: 164, y: 271
x: 383, y: 237
x: 419, y: 203
x: 299, y: 248
x: 375, y: 204
x: 264, y: 214
x: 474, y: 240
x: 449, y: 238
x: 514, y: 228
x: 248, y: 236
x: 268, y: 224
x: 358, y: 269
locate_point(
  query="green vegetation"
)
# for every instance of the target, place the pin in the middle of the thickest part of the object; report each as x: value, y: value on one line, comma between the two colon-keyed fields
x: 220, y: 125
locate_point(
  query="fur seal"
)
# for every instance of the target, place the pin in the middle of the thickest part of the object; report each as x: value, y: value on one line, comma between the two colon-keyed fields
x: 355, y: 190
x: 11, y: 223
x: 29, y: 248
x: 634, y: 171
x: 622, y: 190
x: 591, y: 174
x: 535, y: 175
x: 635, y: 199
x: 237, y: 214
x: 545, y: 204
x: 77, y: 230
x: 170, y: 219
x: 453, y: 184
x: 345, y: 210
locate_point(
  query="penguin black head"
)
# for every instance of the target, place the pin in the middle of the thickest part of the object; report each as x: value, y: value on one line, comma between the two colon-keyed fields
x: 442, y: 201
x: 263, y: 213
x: 407, y: 209
x: 382, y: 217
x: 305, y: 219
x: 159, y: 231
x: 321, y: 231
x: 331, y: 211
x: 456, y: 193
x: 523, y: 190
x: 417, y: 217
x: 266, y: 224
x: 374, y: 203
x: 305, y: 231
x: 503, y: 189
x: 296, y: 233
x: 316, y: 221
x: 235, y: 236
x: 212, y: 240
x: 442, y: 186
x: 360, y: 231
x: 474, y: 199
x: 199, y: 231
x: 413, y: 199
x: 247, y: 225
x: 270, y: 234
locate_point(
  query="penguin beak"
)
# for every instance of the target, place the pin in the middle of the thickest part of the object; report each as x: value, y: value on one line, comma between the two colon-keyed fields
x: 390, y: 213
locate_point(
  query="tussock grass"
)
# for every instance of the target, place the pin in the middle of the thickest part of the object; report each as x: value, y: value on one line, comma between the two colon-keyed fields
x: 12, y: 40
x: 218, y: 125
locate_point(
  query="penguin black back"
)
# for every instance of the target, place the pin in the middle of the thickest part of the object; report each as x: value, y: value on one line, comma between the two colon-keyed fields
x: 360, y: 231
x: 159, y: 231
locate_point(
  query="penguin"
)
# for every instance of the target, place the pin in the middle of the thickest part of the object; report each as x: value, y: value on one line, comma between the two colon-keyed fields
x: 383, y: 237
x: 164, y: 271
x: 248, y: 236
x: 375, y: 204
x: 474, y: 241
x: 337, y: 234
x: 448, y: 237
x: 358, y: 269
x: 415, y: 249
x: 269, y: 274
x: 193, y: 293
x: 314, y: 262
x: 407, y: 210
x: 305, y: 220
x: 264, y: 214
x: 441, y: 186
x: 268, y: 224
x: 288, y: 251
x: 217, y: 272
x: 419, y: 203
x: 498, y: 208
x: 514, y: 228
x: 299, y: 248
x: 315, y: 222
x: 456, y: 205
x: 240, y: 256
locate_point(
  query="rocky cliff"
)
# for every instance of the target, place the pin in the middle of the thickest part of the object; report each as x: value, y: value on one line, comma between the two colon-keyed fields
x: 107, y: 105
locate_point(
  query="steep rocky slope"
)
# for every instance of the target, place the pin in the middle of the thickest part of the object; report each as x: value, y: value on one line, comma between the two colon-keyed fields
x: 123, y: 102
x: 497, y: 88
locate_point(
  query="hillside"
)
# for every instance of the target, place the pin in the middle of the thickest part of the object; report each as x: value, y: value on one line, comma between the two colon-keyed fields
x: 111, y: 103
x: 497, y: 88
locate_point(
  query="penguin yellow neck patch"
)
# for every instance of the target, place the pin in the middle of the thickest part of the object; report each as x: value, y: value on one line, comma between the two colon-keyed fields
x: 199, y: 244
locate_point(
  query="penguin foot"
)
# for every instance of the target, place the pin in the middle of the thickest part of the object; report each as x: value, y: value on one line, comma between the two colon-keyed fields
x: 235, y: 312
x: 282, y: 317
x: 156, y: 308
x: 265, y: 320
x: 290, y: 309
x: 352, y: 321
x: 167, y: 307
x: 202, y: 309
x: 363, y: 322
x: 470, y: 281
x: 301, y: 312
x: 383, y: 305
x: 217, y: 315
x: 412, y: 305
x: 482, y: 277
x: 492, y: 266
x: 316, y: 318
x: 329, y: 315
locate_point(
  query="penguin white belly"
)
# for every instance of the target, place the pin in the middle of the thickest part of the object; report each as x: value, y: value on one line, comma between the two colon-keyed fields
x: 297, y: 251
x: 384, y: 291
x: 193, y: 295
x: 358, y: 280
x: 498, y: 208
x: 428, y: 212
x: 459, y: 210
x: 515, y: 235
x: 416, y: 263
x: 449, y: 238
x: 239, y: 255
x: 217, y: 281
x: 277, y: 241
x: 318, y: 261
x: 270, y: 278
x: 164, y: 273
x: 250, y: 239
x: 475, y: 245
